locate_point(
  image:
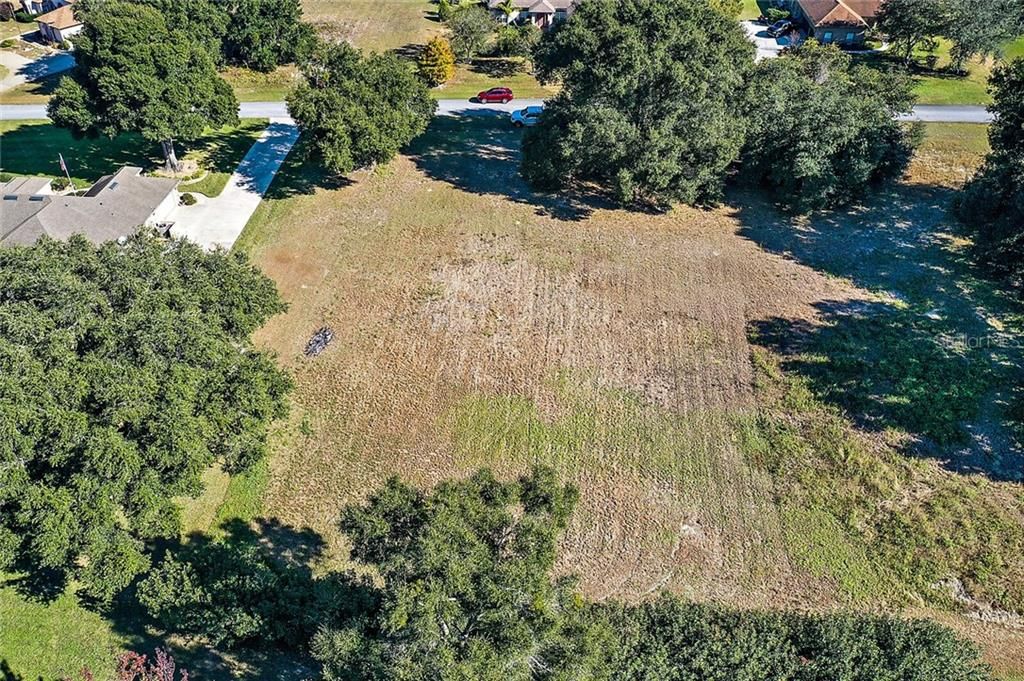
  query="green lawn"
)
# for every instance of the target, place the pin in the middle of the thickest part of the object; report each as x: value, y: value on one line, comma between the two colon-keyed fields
x: 33, y: 148
x: 944, y: 88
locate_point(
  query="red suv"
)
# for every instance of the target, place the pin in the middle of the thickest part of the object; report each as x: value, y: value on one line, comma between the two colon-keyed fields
x: 496, y: 94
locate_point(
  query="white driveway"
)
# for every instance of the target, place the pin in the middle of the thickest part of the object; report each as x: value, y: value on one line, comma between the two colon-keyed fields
x: 767, y: 46
x: 23, y: 70
x: 218, y: 222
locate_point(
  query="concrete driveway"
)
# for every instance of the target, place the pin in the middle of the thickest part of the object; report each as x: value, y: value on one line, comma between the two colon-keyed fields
x: 23, y: 70
x: 218, y: 221
x: 767, y: 46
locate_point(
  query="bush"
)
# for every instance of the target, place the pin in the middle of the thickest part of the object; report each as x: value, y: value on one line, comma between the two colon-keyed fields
x: 23, y: 17
x: 187, y: 199
x: 10, y: 42
x: 517, y: 41
x: 60, y: 183
x: 436, y: 63
x: 774, y: 14
x: 444, y: 10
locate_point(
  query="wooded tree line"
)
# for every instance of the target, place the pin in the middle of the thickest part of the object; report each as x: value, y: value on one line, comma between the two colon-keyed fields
x: 464, y: 590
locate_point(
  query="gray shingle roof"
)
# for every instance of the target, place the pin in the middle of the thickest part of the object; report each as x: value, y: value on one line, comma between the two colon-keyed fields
x: 115, y: 206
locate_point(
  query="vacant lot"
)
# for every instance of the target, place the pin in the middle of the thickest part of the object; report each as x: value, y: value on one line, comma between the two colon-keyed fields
x: 657, y: 360
x: 670, y: 365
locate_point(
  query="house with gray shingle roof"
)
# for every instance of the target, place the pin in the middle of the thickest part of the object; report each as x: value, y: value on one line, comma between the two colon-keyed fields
x: 116, y: 206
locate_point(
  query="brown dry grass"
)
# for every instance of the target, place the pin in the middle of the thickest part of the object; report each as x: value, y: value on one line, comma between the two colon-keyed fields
x: 477, y: 325
x: 379, y: 25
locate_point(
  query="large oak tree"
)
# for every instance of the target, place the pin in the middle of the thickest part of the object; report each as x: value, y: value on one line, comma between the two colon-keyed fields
x: 137, y: 73
x: 823, y: 129
x: 126, y: 371
x: 651, y: 101
x: 357, y: 110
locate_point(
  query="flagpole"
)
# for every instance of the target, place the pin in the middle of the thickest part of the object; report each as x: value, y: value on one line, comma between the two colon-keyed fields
x: 64, y: 167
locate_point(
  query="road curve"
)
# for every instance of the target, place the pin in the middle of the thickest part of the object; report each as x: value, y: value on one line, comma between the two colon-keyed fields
x: 460, y: 107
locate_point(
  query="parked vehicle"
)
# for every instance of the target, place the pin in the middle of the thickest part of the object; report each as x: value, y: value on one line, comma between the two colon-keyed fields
x: 780, y: 28
x: 495, y: 95
x: 526, y: 117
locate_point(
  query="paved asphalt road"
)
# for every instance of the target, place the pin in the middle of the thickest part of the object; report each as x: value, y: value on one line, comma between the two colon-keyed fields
x: 940, y: 114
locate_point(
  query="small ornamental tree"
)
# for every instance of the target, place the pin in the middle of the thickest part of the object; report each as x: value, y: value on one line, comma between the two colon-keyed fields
x: 126, y: 371
x: 822, y: 130
x: 436, y: 62
x: 471, y: 27
x: 135, y: 73
x: 358, y: 110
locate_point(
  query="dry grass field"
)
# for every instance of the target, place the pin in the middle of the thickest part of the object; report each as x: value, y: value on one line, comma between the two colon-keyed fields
x: 379, y: 25
x: 649, y: 358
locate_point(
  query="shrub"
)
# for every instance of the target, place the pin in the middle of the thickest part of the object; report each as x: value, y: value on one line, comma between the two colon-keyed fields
x: 187, y: 199
x: 10, y: 42
x: 444, y: 10
x: 774, y: 14
x: 60, y: 183
x: 23, y: 17
x: 517, y: 41
x: 436, y: 62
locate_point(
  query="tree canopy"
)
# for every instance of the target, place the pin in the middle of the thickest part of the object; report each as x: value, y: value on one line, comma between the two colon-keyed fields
x: 993, y: 201
x: 266, y: 33
x: 358, y: 110
x: 136, y: 73
x: 651, y: 102
x: 822, y: 130
x: 125, y: 372
x: 467, y: 592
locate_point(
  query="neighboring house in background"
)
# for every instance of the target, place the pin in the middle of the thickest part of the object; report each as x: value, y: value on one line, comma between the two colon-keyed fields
x: 542, y: 13
x: 59, y: 25
x: 116, y: 206
x: 34, y: 7
x: 844, y: 22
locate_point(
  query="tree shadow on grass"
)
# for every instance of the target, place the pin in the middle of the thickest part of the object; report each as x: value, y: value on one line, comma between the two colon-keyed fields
x: 301, y: 173
x: 936, y: 354
x: 8, y: 674
x: 478, y: 151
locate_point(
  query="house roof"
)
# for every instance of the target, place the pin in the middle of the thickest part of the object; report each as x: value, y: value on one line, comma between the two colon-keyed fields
x: 61, y: 18
x: 114, y: 207
x: 535, y: 6
x: 840, y: 12
x: 26, y: 185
